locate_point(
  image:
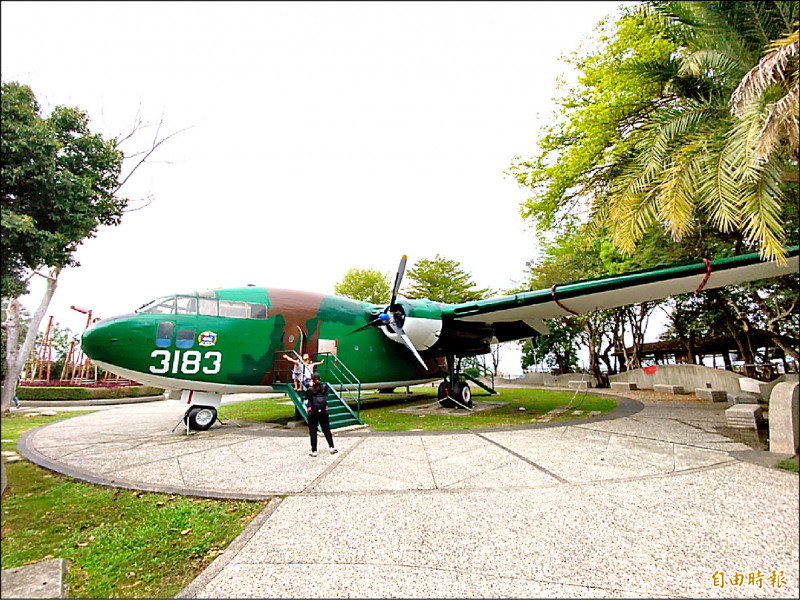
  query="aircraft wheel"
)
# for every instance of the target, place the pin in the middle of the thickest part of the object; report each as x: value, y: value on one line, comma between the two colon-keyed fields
x: 201, y: 418
x: 443, y: 395
x: 463, y: 393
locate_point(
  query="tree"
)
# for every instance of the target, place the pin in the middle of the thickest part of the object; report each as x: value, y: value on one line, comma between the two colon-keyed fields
x: 442, y: 280
x: 558, y: 349
x: 368, y: 285
x: 694, y: 160
x: 647, y: 139
x: 59, y: 184
x: 23, y: 319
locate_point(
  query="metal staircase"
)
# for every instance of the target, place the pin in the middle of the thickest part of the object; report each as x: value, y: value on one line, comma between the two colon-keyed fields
x: 342, y: 386
x: 479, y: 383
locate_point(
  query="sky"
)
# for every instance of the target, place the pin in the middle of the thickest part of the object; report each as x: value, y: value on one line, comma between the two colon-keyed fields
x: 314, y: 137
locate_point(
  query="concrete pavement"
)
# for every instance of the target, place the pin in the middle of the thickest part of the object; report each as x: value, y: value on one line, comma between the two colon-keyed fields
x: 654, y: 503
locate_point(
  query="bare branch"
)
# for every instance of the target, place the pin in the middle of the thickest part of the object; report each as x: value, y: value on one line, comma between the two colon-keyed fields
x: 156, y: 143
x: 148, y: 201
x: 137, y: 125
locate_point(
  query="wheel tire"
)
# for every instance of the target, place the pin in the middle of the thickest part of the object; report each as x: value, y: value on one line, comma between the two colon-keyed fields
x: 201, y: 418
x: 464, y: 394
x: 443, y: 395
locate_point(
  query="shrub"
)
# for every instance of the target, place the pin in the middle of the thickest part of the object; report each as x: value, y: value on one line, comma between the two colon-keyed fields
x: 82, y: 393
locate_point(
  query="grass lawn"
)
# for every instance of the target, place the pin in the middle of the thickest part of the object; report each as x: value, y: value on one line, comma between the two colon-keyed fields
x: 120, y: 544
x: 790, y: 464
x: 377, y: 410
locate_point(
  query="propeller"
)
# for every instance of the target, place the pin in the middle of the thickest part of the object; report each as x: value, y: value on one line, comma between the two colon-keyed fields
x: 393, y: 316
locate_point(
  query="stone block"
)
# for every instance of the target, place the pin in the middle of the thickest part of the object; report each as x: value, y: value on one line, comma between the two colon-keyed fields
x: 711, y: 394
x: 666, y: 388
x: 753, y: 386
x: 46, y: 579
x: 744, y: 416
x: 623, y: 385
x: 579, y: 385
x: 784, y: 420
x: 743, y: 398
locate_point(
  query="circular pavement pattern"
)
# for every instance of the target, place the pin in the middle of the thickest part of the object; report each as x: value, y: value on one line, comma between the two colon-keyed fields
x: 649, y: 501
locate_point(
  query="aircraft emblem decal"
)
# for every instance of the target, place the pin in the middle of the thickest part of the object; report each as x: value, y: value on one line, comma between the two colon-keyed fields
x: 207, y: 339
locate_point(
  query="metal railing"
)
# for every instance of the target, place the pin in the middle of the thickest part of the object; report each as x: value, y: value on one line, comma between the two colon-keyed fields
x: 336, y: 374
x: 332, y: 371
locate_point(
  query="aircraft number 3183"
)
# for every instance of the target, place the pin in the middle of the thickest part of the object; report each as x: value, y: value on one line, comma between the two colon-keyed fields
x: 188, y: 362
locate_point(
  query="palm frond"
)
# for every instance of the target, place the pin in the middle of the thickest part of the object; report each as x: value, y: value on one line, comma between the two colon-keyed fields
x: 781, y: 122
x: 774, y: 67
x: 676, y: 192
x: 763, y: 212
x: 711, y: 62
x: 722, y: 193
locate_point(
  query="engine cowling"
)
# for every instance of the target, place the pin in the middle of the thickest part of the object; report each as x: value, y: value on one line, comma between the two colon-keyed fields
x: 420, y: 319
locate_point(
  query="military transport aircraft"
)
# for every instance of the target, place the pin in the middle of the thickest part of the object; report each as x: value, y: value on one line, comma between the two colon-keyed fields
x: 232, y: 340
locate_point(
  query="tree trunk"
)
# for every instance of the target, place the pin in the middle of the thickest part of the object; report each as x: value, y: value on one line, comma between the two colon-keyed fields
x: 594, y: 363
x: 738, y: 328
x: 16, y: 355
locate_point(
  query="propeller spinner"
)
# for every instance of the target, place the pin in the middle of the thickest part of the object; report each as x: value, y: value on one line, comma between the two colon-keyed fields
x: 393, y: 316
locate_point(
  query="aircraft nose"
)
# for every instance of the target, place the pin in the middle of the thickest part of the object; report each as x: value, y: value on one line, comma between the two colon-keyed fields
x: 99, y: 340
x: 92, y: 341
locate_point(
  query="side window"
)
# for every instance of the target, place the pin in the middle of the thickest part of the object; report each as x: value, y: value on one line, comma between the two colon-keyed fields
x: 258, y: 311
x: 164, y: 334
x: 233, y: 309
x: 185, y: 339
x: 187, y: 305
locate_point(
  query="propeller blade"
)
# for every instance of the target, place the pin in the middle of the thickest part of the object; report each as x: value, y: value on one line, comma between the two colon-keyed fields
x: 399, y: 331
x: 397, y: 280
x: 376, y: 321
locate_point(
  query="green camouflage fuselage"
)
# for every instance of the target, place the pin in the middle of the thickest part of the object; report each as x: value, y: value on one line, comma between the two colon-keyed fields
x: 232, y: 340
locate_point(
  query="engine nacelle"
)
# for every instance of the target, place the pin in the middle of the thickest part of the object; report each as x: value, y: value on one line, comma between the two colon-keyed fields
x: 423, y: 332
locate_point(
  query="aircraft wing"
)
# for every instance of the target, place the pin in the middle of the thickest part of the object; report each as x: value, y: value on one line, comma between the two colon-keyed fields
x: 522, y: 315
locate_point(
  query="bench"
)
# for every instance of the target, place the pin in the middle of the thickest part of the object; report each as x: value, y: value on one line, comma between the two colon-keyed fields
x: 712, y: 395
x: 623, y: 385
x: 668, y: 388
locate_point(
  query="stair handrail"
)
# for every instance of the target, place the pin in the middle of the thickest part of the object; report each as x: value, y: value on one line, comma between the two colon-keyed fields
x: 344, y: 378
x: 483, y: 370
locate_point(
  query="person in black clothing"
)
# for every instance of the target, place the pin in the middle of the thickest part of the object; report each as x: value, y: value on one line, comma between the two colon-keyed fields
x: 317, y: 409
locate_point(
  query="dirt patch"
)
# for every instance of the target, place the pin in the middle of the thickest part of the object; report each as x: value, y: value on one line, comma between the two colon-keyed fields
x: 434, y: 408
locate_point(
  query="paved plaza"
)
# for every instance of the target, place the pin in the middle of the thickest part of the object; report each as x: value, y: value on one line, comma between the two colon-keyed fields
x: 650, y: 501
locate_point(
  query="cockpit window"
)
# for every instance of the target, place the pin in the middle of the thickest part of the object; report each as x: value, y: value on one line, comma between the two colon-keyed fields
x: 187, y: 305
x: 234, y: 309
x: 258, y: 311
x: 207, y: 305
x: 162, y: 306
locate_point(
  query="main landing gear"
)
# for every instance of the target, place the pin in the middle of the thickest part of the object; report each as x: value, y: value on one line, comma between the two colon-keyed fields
x: 202, y: 411
x: 200, y: 418
x: 453, y: 392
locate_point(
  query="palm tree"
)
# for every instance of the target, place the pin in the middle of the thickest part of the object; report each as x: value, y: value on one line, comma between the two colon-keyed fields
x: 693, y: 160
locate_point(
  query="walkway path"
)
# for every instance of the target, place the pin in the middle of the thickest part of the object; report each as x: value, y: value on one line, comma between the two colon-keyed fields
x: 650, y: 504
